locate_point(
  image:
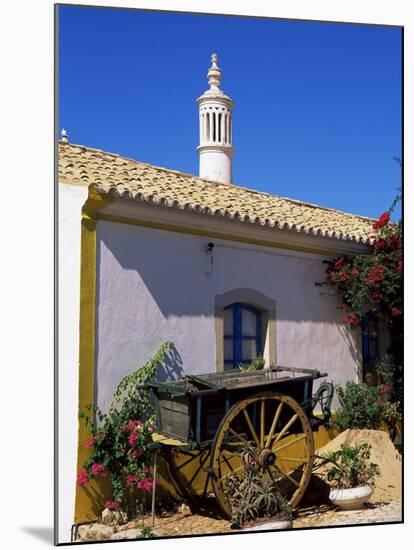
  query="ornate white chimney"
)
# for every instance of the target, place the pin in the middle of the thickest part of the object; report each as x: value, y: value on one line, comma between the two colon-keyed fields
x: 215, y: 147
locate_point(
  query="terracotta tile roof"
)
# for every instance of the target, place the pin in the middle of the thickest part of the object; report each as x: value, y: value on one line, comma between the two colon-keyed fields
x: 128, y: 179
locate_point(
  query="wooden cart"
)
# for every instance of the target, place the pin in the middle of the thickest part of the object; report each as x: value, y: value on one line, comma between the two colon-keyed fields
x: 205, y: 424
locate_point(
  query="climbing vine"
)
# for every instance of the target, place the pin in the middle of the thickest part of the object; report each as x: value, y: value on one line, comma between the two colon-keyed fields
x: 120, y: 439
x: 371, y: 282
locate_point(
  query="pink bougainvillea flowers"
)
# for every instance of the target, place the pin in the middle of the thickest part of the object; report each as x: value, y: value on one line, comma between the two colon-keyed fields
x: 133, y: 424
x: 89, y: 443
x: 133, y: 436
x: 112, y: 505
x: 83, y: 477
x: 136, y: 453
x: 145, y: 484
x: 130, y: 480
x: 99, y: 469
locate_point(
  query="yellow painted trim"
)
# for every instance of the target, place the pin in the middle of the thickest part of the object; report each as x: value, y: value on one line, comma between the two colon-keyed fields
x: 88, y: 497
x: 95, y: 203
x: 212, y: 234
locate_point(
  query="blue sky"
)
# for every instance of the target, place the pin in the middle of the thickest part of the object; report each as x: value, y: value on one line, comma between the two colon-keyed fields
x: 317, y: 112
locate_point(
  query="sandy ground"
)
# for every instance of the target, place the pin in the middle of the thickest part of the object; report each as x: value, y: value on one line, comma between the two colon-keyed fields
x: 184, y: 522
x: 315, y: 510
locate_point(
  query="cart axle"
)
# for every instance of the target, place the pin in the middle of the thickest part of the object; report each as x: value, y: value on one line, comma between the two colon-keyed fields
x: 267, y: 457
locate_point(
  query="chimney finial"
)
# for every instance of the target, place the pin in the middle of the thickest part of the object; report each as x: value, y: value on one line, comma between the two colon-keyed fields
x: 64, y: 136
x: 214, y: 73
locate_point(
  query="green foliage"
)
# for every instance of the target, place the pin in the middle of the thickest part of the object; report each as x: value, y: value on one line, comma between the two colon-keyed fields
x: 351, y: 467
x: 360, y: 407
x: 254, y: 495
x: 126, y: 391
x: 389, y: 381
x: 391, y: 413
x: 120, y: 443
x: 258, y: 363
x: 146, y: 533
x: 385, y: 372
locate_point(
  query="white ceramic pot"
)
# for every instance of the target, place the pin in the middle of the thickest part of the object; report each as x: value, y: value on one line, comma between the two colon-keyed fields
x: 269, y: 524
x: 350, y: 499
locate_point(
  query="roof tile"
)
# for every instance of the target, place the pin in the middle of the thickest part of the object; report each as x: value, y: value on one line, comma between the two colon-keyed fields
x: 128, y: 179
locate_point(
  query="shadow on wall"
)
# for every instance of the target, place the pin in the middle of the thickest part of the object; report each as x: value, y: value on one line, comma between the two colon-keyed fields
x: 172, y: 368
x: 353, y: 340
x: 168, y: 269
x: 171, y: 271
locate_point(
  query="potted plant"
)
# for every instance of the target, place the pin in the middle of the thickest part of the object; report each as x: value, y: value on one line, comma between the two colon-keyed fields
x: 351, y: 476
x: 256, y: 503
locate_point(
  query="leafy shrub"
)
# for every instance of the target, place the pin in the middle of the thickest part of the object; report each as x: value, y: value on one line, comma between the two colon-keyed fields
x: 391, y: 413
x: 351, y: 468
x: 360, y: 407
x: 389, y: 382
x: 121, y: 438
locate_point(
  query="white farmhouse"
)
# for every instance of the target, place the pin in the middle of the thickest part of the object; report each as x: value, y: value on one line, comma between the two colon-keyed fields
x: 148, y: 254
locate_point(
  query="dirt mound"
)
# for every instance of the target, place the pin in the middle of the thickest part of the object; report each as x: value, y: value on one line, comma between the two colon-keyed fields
x: 383, y: 453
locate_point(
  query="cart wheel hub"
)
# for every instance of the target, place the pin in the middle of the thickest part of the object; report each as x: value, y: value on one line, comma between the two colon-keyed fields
x: 267, y: 457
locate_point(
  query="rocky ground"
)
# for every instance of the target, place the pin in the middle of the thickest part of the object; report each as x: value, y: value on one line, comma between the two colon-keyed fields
x: 183, y: 522
x: 372, y: 513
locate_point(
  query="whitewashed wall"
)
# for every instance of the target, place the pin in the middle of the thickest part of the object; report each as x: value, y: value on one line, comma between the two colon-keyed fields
x: 71, y: 200
x: 156, y: 285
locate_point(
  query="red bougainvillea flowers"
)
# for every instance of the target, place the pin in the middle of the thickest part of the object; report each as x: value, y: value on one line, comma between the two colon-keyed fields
x: 383, y: 221
x: 351, y: 319
x: 376, y: 275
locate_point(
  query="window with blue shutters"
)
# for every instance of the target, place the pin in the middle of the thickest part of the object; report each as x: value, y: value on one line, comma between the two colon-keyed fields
x: 242, y: 335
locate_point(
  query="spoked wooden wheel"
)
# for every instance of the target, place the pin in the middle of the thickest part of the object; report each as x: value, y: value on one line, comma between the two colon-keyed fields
x: 276, y: 431
x: 187, y: 470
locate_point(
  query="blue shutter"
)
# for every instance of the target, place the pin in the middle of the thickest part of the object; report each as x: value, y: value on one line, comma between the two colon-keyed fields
x: 239, y: 336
